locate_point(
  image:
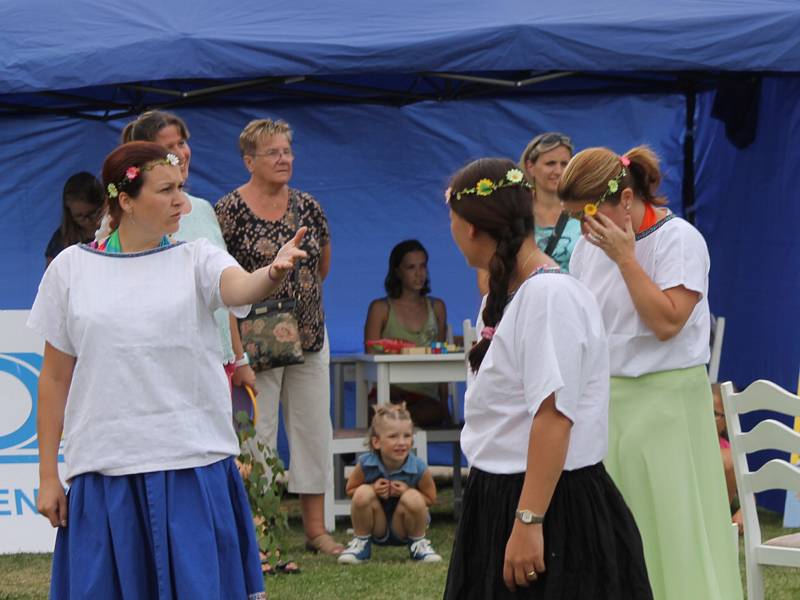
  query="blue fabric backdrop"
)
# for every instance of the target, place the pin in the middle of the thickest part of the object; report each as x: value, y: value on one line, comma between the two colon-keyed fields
x: 126, y: 41
x: 747, y: 204
x: 378, y: 171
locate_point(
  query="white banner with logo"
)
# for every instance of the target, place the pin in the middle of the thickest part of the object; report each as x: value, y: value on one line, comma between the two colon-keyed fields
x: 22, y: 529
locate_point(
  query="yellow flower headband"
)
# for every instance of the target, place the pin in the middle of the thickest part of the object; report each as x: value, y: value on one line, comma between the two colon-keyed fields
x: 132, y: 173
x: 485, y: 187
x: 590, y: 208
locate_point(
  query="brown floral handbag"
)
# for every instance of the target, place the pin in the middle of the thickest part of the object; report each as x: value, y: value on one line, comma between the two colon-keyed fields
x: 270, y: 334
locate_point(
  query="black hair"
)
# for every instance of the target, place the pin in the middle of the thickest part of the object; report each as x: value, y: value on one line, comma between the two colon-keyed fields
x: 506, y: 215
x: 83, y: 187
x: 392, y: 284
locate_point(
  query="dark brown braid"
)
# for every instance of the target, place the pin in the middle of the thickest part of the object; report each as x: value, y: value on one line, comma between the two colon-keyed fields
x: 507, y: 216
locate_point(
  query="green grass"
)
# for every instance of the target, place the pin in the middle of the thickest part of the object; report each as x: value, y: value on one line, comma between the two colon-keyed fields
x: 389, y: 575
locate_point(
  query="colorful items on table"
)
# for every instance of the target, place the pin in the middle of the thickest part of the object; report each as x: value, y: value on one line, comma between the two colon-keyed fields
x: 388, y: 346
x: 434, y: 348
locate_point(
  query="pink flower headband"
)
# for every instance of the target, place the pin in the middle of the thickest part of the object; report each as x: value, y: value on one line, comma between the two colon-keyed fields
x: 131, y: 173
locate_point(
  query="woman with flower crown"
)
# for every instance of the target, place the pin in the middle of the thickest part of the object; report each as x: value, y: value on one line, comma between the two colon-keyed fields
x: 200, y: 221
x: 648, y: 270
x: 131, y: 376
x: 541, y: 517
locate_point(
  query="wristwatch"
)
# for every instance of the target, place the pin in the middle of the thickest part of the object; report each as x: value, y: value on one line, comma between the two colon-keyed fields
x: 242, y: 362
x: 529, y: 518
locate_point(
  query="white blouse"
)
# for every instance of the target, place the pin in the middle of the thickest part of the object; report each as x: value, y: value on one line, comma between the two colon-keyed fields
x: 550, y: 340
x: 672, y: 253
x: 148, y: 390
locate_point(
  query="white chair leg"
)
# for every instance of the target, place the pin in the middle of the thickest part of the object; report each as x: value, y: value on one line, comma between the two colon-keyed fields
x: 330, y: 518
x: 735, y: 532
x: 755, y: 581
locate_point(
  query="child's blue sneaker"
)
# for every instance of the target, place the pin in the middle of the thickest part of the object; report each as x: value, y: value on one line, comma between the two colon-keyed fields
x: 422, y: 550
x: 358, y: 550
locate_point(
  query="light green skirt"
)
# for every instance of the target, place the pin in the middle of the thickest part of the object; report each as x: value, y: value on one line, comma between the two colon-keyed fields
x: 664, y: 456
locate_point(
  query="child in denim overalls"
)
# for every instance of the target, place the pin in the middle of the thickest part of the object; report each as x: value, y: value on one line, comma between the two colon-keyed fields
x: 391, y: 490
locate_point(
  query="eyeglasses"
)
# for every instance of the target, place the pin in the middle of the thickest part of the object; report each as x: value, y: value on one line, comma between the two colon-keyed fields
x: 88, y: 216
x: 275, y: 153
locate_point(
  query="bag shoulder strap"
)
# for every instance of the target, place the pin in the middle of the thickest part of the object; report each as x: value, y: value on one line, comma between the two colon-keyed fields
x: 556, y: 235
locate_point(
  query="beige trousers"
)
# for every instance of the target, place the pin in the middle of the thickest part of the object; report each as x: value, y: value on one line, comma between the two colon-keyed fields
x: 304, y: 391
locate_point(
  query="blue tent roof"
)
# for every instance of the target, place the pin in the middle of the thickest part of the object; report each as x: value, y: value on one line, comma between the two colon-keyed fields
x: 54, y: 45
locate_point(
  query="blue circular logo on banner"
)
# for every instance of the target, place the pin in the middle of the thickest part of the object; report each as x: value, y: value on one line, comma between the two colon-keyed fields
x: 22, y: 399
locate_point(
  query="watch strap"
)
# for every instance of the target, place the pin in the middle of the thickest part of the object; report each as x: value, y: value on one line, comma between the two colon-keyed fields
x: 529, y: 517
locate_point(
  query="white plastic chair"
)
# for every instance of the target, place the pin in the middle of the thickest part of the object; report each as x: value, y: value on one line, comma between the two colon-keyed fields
x: 779, y: 474
x: 716, y: 350
x: 470, y: 335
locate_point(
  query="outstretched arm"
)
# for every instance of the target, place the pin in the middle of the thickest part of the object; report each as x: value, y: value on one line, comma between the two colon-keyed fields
x: 238, y: 287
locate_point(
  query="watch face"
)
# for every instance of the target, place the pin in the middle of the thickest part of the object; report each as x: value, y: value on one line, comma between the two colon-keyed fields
x: 528, y: 517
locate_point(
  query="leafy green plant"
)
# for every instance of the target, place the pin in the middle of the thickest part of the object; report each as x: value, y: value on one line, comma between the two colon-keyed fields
x: 261, y: 468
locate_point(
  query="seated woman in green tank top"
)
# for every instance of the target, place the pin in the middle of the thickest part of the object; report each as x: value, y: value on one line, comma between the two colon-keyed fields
x: 408, y: 313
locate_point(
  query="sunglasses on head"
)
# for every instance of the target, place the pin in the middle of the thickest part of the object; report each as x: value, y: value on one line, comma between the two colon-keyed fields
x: 548, y: 141
x: 553, y: 139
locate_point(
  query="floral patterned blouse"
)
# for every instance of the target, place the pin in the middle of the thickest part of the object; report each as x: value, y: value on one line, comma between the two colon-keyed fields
x: 254, y: 242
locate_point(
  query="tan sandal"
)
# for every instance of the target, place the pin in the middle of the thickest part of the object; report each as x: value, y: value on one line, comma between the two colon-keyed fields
x: 324, y: 543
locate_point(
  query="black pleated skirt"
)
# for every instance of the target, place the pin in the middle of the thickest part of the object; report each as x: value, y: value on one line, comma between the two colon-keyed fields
x: 593, y: 550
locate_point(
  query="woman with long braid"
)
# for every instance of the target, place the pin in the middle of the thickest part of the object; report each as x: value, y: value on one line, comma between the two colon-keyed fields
x: 541, y: 519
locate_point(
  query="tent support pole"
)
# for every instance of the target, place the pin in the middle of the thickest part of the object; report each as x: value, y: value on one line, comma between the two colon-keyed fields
x: 687, y: 185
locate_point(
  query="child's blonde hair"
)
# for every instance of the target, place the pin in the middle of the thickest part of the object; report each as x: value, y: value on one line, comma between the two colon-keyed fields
x: 383, y: 412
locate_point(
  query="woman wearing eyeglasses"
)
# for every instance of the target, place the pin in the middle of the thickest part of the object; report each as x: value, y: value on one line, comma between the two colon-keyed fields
x: 256, y: 218
x: 649, y: 270
x: 543, y: 161
x: 82, y: 205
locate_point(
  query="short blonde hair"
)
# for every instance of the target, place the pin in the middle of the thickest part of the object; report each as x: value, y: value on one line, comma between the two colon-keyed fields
x: 259, y: 129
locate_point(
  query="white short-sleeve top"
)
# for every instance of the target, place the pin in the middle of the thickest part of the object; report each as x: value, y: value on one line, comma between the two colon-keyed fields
x: 148, y: 390
x: 672, y: 253
x: 550, y: 340
x: 202, y: 222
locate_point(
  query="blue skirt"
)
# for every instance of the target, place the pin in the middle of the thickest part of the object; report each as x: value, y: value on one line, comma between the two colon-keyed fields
x: 164, y: 535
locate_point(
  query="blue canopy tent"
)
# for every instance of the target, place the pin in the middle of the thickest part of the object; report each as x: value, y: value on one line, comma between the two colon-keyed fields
x: 388, y: 100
